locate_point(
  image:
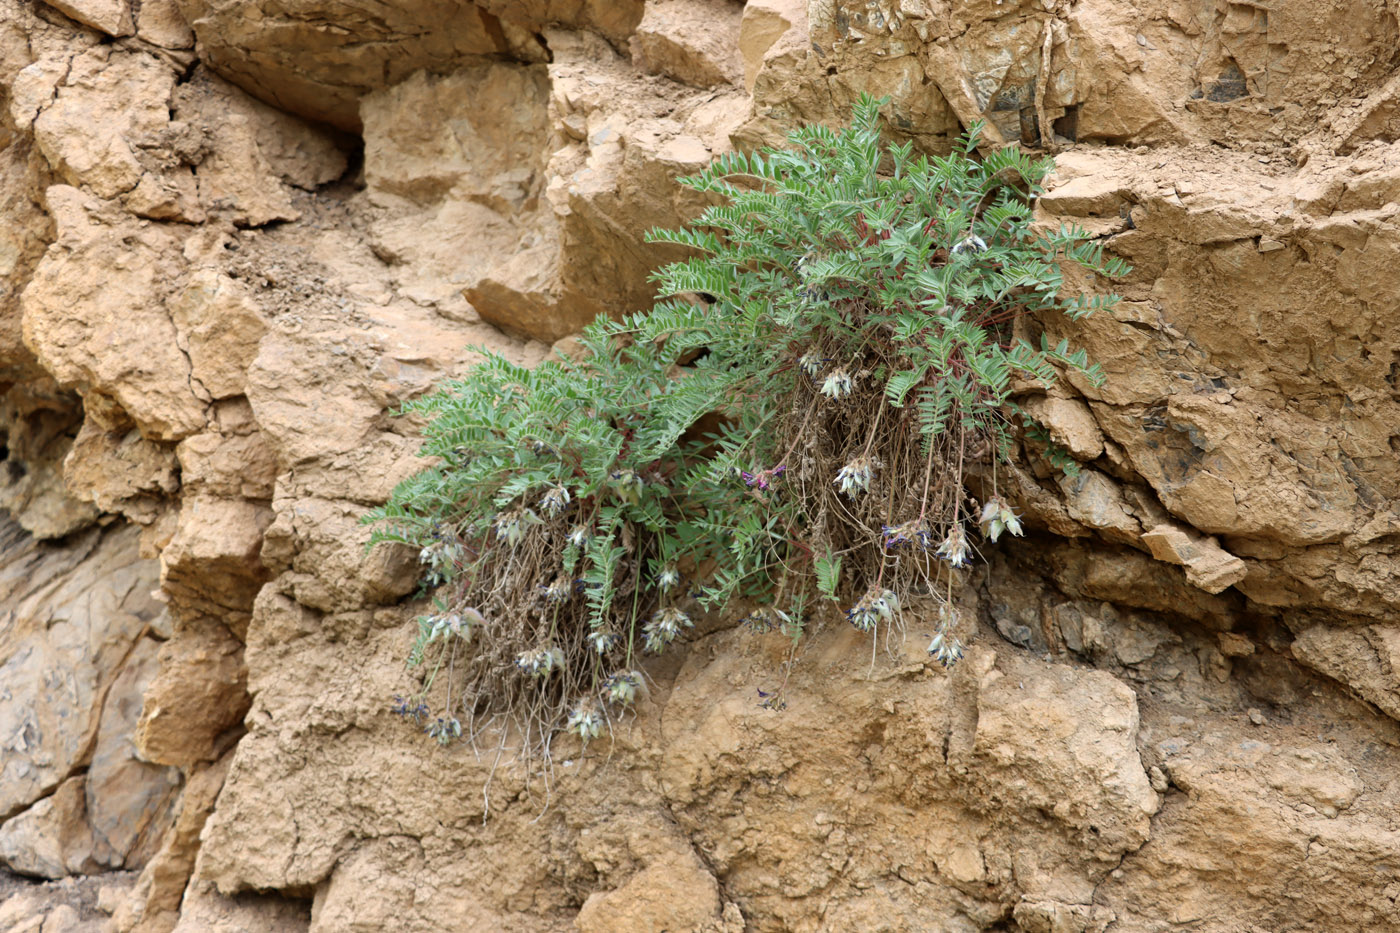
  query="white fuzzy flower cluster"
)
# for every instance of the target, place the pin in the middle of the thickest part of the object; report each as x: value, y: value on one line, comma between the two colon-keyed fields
x: 540, y: 662
x: 664, y: 627
x: 559, y: 590
x: 603, y: 642
x: 667, y: 579
x: 874, y: 607
x: 838, y: 384
x: 855, y: 476
x: 954, y: 548
x: 997, y: 517
x: 621, y: 688
x: 512, y: 525
x: 555, y: 501
x: 585, y: 722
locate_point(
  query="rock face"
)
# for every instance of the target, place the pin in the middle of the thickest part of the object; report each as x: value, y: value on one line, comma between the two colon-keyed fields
x: 235, y: 238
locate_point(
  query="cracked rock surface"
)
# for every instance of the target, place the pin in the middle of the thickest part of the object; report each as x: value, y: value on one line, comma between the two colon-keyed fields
x: 236, y: 237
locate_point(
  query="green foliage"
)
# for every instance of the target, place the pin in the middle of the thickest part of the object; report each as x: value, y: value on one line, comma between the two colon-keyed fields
x: 792, y: 423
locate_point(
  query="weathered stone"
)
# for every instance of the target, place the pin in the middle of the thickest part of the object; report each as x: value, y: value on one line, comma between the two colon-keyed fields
x: 693, y: 41
x: 1207, y: 565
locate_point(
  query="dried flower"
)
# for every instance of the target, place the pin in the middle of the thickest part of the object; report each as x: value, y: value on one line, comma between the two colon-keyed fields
x: 555, y: 500
x: 511, y: 525
x: 997, y: 516
x: 559, y: 590
x: 578, y: 536
x: 585, y: 722
x: 444, y: 729
x: 540, y: 662
x: 667, y: 579
x: 838, y: 384
x: 603, y: 642
x: 810, y: 363
x: 946, y: 649
x: 945, y: 646
x: 870, y: 609
x: 663, y: 628
x: 914, y: 531
x: 621, y: 688
x: 766, y: 619
x: 970, y: 244
x: 954, y: 548
x: 855, y: 476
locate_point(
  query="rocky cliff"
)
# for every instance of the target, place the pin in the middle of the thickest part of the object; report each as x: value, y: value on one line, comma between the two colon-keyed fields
x: 235, y: 236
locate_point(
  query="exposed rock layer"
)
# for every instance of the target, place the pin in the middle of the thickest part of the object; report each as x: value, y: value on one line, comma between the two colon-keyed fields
x: 1179, y: 711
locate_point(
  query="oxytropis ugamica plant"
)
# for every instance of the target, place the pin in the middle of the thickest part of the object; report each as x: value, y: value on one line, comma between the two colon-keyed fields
x: 789, y: 429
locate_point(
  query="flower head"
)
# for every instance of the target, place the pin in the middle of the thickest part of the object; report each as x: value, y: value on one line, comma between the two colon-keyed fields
x: 621, y: 688
x: 945, y: 646
x: 663, y: 628
x: 585, y: 722
x: 810, y: 363
x: 855, y: 476
x: 512, y: 524
x: 970, y: 244
x: 954, y: 548
x: 872, y: 608
x: 762, y: 478
x: 628, y: 485
x: 667, y: 578
x: 539, y: 662
x: 578, y: 536
x: 997, y: 516
x: 946, y: 649
x: 558, y: 590
x: 913, y: 532
x: 555, y: 500
x: 838, y: 384
x: 603, y: 642
x: 766, y: 619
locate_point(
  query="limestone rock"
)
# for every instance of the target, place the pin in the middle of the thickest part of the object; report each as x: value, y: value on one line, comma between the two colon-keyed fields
x: 219, y: 327
x: 90, y: 317
x: 317, y: 58
x: 120, y: 471
x: 111, y: 16
x: 72, y: 617
x: 769, y: 26
x: 52, y: 838
x: 129, y: 801
x: 199, y: 693
x: 1207, y: 564
x: 693, y: 41
x: 249, y: 153
x: 36, y: 420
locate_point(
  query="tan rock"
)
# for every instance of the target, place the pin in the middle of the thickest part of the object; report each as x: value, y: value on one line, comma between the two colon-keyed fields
x: 130, y: 802
x: 1208, y: 566
x: 199, y: 693
x: 765, y: 23
x: 218, y: 326
x: 90, y: 317
x: 52, y: 838
x: 212, y: 565
x: 693, y: 41
x: 120, y: 471
x: 249, y: 153
x: 37, y: 419
x: 1071, y: 425
x: 111, y: 16
x: 72, y: 616
x: 153, y: 904
x: 317, y: 58
x: 160, y: 22
x: 677, y: 894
